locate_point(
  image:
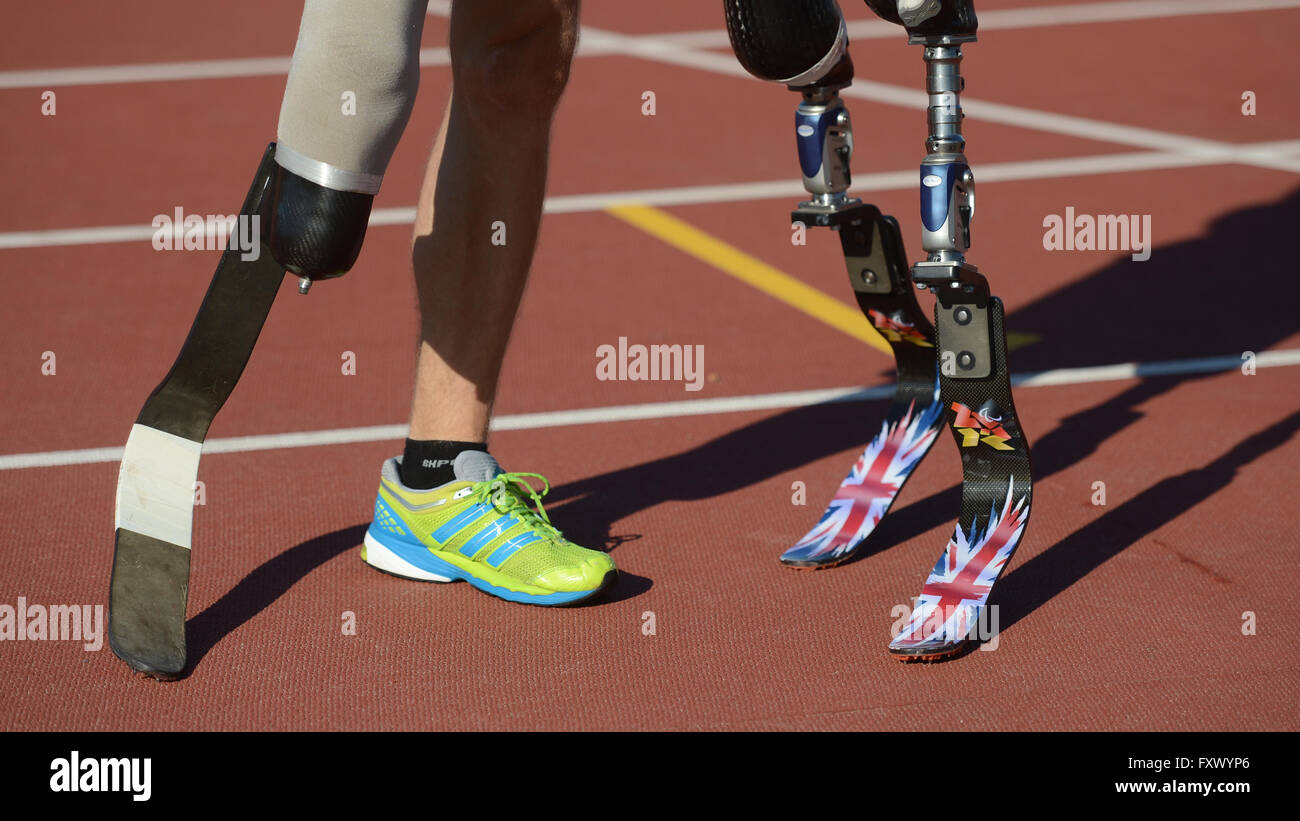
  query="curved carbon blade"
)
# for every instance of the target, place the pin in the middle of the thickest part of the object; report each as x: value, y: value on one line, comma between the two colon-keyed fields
x: 878, y: 271
x: 996, y: 494
x: 155, y: 490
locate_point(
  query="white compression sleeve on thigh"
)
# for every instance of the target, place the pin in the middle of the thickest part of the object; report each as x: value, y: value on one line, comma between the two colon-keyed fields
x: 351, y: 87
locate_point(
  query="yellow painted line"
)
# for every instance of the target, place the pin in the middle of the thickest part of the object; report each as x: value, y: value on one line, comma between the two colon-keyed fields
x: 1021, y: 339
x: 753, y: 272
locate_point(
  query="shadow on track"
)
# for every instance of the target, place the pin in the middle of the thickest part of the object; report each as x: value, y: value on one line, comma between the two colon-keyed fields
x: 260, y: 588
x: 272, y: 579
x: 1029, y: 586
x: 1187, y: 301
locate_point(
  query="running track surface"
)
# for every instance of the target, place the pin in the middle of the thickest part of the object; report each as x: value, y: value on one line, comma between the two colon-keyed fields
x: 1123, y: 616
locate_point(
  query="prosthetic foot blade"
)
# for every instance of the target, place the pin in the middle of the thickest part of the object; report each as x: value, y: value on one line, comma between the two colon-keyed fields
x: 156, y: 482
x: 878, y: 271
x: 996, y: 492
x: 146, y: 617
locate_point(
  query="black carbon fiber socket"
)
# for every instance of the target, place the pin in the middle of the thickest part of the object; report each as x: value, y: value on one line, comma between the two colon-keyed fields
x: 313, y: 231
x: 782, y: 39
x: 955, y: 18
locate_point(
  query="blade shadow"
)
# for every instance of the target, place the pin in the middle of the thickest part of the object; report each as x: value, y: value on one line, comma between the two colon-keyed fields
x: 1038, y: 580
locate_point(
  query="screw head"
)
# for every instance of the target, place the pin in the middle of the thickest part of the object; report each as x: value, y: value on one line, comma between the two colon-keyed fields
x: 962, y: 315
x: 965, y: 360
x: 868, y: 276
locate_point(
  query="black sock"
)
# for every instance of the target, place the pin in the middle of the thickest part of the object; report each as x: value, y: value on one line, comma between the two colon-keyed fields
x: 429, y: 462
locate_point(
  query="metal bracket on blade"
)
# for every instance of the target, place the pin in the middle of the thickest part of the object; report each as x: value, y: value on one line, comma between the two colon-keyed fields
x: 874, y: 263
x: 961, y: 315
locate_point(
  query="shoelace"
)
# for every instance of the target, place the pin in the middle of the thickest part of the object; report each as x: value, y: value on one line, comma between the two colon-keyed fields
x: 504, y: 492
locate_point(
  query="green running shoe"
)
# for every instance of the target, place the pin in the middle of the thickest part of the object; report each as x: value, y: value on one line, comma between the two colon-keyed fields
x: 480, y: 528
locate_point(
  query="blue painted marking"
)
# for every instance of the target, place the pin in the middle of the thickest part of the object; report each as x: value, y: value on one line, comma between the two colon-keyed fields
x: 510, y: 548
x: 453, y: 526
x: 487, y: 534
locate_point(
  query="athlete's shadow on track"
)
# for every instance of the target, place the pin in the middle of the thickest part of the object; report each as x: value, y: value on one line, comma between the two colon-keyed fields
x: 1191, y: 299
x: 259, y: 589
x: 273, y: 578
x: 1029, y: 586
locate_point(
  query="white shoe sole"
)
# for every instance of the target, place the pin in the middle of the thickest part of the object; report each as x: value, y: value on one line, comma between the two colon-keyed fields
x: 378, y: 556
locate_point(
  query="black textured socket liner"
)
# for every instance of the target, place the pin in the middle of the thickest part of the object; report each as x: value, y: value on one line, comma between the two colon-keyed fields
x: 781, y: 39
x: 312, y: 230
x: 957, y: 17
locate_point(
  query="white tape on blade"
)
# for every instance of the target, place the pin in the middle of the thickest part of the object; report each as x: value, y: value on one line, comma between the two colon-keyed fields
x: 155, y: 485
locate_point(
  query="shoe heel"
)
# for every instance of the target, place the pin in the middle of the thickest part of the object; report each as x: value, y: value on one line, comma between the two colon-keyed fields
x: 375, y: 554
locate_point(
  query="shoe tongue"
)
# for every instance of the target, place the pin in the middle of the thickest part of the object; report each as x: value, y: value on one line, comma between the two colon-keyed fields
x: 475, y: 466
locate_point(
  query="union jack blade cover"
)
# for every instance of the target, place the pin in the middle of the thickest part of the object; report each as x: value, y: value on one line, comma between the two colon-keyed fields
x: 867, y: 492
x: 958, y: 588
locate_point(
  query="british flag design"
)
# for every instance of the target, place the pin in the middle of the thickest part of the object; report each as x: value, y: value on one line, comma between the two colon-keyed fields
x: 867, y: 492
x: 897, y: 328
x: 959, y: 585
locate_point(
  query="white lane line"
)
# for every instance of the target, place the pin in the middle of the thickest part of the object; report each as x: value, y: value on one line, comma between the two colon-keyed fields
x: 1075, y: 13
x: 663, y: 51
x: 168, y: 72
x: 145, y: 72
x: 723, y: 193
x: 664, y: 410
x: 895, y: 180
x: 1029, y: 17
x: 76, y: 236
x: 1146, y: 370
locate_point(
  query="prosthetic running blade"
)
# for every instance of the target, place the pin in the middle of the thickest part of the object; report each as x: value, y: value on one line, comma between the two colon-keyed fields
x: 996, y: 492
x: 878, y: 272
x: 156, y: 482
x: 974, y: 377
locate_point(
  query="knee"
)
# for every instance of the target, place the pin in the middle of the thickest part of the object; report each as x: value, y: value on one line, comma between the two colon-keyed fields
x: 514, y: 61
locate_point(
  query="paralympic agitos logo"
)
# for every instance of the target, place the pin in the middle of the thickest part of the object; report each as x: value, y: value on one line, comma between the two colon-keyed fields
x: 896, y: 328
x: 983, y: 425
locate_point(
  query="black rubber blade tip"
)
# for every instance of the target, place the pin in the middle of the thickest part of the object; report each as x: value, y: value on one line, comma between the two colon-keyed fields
x: 934, y: 652
x: 146, y: 605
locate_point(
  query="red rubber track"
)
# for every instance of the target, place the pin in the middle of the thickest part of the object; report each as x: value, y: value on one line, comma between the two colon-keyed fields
x: 1116, y: 617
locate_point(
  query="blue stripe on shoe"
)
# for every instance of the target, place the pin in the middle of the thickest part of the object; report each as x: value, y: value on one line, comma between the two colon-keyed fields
x: 511, y: 547
x: 454, y: 525
x: 420, y: 557
x: 487, y: 534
